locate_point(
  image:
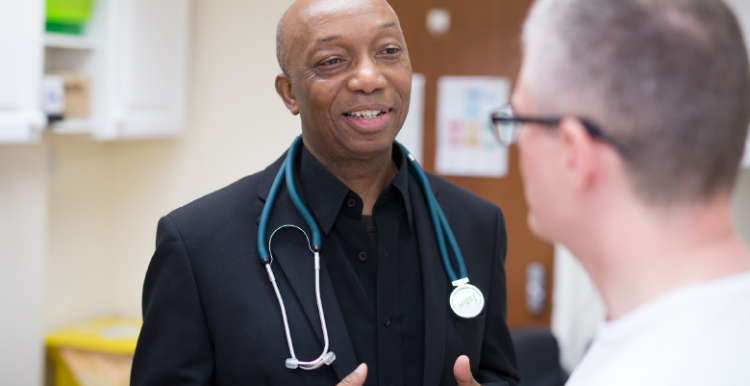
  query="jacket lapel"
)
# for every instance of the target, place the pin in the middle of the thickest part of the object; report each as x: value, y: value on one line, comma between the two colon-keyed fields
x: 295, y: 260
x: 435, y: 283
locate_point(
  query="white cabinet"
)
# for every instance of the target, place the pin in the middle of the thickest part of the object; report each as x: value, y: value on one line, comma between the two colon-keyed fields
x: 135, y: 53
x: 21, y: 35
x: 146, y: 68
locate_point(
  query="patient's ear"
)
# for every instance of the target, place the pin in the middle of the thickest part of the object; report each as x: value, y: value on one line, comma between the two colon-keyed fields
x: 284, y: 89
x: 579, y: 153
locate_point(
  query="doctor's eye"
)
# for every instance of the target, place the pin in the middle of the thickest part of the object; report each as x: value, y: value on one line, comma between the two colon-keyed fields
x: 331, y: 62
x: 391, y: 51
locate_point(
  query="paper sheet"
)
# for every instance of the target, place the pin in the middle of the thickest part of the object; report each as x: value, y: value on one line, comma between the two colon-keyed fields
x: 411, y: 133
x: 466, y: 145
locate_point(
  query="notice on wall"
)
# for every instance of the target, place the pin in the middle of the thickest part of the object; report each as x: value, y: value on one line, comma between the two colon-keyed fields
x: 466, y: 145
x: 411, y: 133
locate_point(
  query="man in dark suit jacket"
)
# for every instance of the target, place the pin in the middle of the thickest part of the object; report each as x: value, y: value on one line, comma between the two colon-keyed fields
x: 212, y: 317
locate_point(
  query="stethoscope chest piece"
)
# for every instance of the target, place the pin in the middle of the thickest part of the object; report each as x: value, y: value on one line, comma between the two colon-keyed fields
x: 467, y: 301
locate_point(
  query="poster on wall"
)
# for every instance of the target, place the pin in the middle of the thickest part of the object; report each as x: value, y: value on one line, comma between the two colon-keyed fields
x: 466, y: 145
x: 411, y: 133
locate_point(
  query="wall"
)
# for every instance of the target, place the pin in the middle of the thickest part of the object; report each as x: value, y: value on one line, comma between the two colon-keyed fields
x: 23, y: 247
x: 79, y: 259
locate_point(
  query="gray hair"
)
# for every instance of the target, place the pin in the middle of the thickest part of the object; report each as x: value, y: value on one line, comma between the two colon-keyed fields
x: 281, y: 44
x: 669, y: 78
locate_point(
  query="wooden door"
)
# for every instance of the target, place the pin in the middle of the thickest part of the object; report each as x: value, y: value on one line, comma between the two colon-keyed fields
x: 484, y: 39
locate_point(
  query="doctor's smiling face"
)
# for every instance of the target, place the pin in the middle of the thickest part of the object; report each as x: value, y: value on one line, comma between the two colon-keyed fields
x: 347, y: 73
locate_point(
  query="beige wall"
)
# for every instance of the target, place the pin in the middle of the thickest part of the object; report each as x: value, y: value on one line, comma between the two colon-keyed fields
x: 79, y: 258
x: 106, y: 198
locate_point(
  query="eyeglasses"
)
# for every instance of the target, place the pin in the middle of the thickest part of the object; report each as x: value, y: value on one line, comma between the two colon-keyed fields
x: 507, y: 126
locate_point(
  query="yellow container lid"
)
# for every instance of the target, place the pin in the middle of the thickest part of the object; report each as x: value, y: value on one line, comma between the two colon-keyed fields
x: 109, y: 335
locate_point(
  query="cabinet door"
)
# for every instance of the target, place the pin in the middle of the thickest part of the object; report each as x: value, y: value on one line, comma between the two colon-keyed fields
x: 21, y: 53
x: 147, y: 68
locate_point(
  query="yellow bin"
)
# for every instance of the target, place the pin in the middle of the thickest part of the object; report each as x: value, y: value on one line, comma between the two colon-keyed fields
x: 94, y: 352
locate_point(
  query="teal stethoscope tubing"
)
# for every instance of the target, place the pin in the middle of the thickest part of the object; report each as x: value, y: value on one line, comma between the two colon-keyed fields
x: 439, y: 222
x: 286, y: 173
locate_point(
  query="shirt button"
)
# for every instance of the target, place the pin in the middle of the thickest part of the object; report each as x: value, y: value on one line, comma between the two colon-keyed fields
x: 351, y: 203
x: 362, y: 256
x: 387, y: 322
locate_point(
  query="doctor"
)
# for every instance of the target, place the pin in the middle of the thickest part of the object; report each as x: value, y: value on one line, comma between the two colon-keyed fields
x: 211, y: 316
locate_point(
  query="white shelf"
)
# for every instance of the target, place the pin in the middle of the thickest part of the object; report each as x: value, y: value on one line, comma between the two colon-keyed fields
x: 73, y: 126
x: 134, y: 53
x: 73, y: 42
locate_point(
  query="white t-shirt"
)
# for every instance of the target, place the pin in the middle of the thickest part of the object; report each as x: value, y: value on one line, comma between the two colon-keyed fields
x: 698, y: 334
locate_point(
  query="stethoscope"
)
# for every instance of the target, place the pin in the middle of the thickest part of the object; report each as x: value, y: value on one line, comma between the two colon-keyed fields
x: 466, y: 300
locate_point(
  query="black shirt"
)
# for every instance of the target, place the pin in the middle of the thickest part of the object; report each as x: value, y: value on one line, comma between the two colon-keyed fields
x: 378, y: 287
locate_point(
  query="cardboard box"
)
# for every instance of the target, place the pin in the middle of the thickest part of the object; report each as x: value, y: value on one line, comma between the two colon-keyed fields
x: 77, y: 95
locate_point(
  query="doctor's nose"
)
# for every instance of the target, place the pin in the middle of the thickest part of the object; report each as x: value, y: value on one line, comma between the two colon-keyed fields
x: 367, y: 77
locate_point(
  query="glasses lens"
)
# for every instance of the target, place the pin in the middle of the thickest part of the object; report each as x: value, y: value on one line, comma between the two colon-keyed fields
x: 507, y: 130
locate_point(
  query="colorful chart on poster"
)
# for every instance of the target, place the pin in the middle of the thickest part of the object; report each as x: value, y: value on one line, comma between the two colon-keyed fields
x: 466, y: 145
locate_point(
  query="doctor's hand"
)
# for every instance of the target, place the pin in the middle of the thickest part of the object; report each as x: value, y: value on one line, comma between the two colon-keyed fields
x: 356, y: 378
x: 462, y: 371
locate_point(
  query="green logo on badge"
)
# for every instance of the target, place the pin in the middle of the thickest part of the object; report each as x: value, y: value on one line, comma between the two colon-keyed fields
x: 467, y: 301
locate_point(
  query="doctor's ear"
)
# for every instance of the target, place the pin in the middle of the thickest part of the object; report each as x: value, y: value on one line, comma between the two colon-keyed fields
x: 284, y: 89
x: 578, y: 156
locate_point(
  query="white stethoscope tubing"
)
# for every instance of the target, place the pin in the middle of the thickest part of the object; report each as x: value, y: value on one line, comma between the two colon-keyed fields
x: 326, y: 357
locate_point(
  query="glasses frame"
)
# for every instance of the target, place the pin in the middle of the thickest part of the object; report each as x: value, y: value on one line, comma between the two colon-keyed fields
x: 593, y: 130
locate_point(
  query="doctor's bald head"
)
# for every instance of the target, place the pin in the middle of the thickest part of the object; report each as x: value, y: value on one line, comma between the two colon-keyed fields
x: 667, y: 78
x: 299, y: 20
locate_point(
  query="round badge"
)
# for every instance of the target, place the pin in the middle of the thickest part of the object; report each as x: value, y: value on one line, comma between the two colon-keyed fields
x: 467, y: 301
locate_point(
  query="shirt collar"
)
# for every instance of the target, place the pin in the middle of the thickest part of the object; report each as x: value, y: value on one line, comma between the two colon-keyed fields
x: 324, y: 193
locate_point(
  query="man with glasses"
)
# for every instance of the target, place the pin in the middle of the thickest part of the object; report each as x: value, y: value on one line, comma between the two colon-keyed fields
x: 631, y: 117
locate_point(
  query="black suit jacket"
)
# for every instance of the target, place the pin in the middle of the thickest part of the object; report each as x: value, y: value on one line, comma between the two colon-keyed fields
x: 211, y: 316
